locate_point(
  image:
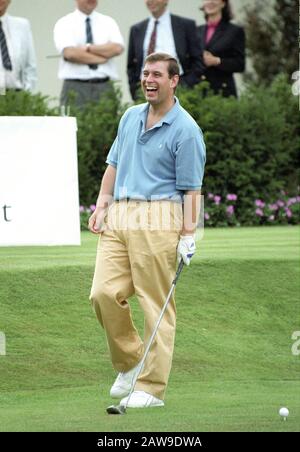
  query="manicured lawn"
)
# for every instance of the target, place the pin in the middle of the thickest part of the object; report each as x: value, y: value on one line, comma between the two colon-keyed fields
x: 233, y: 368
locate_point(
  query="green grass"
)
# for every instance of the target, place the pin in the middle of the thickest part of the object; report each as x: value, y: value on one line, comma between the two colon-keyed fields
x: 237, y: 307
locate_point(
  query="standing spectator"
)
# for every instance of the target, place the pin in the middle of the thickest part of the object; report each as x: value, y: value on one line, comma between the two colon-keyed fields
x: 17, y: 55
x: 164, y: 32
x: 223, y: 47
x: 87, y: 42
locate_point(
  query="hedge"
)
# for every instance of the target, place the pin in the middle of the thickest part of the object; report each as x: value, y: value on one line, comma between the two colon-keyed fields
x: 252, y: 147
x: 252, y: 144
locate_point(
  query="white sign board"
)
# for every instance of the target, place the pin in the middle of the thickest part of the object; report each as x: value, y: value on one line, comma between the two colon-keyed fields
x: 39, y: 197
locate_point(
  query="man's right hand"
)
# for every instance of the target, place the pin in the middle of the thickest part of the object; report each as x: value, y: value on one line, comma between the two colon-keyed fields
x: 96, y: 220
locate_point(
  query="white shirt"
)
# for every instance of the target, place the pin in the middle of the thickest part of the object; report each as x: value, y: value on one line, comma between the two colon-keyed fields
x: 164, y: 36
x: 70, y: 31
x: 22, y: 55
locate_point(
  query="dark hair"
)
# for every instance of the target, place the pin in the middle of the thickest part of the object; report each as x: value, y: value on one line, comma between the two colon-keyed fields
x: 173, y: 68
x: 227, y: 14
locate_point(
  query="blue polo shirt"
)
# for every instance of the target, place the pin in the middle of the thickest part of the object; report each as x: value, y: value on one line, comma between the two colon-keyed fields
x: 158, y: 163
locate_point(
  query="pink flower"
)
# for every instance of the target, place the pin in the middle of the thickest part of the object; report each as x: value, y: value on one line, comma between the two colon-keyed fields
x: 298, y: 198
x: 92, y: 207
x: 259, y: 203
x: 271, y: 218
x: 288, y: 213
x: 230, y: 210
x: 217, y: 199
x: 81, y: 209
x: 291, y: 201
x: 280, y: 203
x: 259, y: 213
x: 273, y: 207
x: 206, y: 216
x: 210, y: 195
x: 231, y: 197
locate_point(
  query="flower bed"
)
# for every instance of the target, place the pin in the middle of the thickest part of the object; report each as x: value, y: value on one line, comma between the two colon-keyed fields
x: 219, y: 211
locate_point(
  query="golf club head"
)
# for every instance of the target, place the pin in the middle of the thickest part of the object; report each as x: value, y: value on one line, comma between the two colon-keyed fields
x: 116, y: 409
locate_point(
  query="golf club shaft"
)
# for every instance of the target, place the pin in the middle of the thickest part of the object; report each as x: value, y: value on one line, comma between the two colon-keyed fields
x: 180, y: 267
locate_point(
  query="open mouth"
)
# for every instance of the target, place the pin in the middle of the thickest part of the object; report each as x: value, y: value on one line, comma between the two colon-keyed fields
x: 151, y: 89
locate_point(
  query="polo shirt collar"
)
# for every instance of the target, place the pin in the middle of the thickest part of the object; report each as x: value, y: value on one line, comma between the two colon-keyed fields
x: 167, y: 119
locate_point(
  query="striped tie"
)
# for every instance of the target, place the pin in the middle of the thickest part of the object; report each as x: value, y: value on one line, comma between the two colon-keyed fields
x: 152, y: 44
x: 89, y: 40
x: 6, y: 61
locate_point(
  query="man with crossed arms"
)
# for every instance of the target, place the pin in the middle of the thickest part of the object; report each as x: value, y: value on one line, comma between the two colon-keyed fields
x: 88, y: 42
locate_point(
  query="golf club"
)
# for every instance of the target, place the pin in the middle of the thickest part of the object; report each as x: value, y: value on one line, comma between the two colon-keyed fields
x: 121, y: 409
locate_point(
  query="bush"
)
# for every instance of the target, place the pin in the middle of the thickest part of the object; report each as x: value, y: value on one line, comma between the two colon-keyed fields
x: 252, y: 147
x: 23, y: 103
x: 252, y: 144
x: 272, y: 28
x: 85, y: 213
x: 97, y: 129
x: 220, y: 211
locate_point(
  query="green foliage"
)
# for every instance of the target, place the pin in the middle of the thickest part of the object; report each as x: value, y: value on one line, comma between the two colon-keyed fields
x: 289, y: 109
x: 252, y: 144
x: 97, y: 129
x: 23, y: 103
x: 227, y: 211
x: 85, y: 213
x: 272, y: 36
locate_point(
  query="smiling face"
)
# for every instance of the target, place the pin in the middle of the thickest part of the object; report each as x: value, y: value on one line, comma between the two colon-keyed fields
x: 157, y: 7
x: 3, y: 6
x: 87, y: 6
x: 158, y: 87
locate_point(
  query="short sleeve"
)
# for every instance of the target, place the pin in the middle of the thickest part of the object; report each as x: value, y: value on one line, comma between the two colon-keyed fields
x: 115, y: 35
x: 190, y: 162
x: 63, y: 37
x: 113, y: 155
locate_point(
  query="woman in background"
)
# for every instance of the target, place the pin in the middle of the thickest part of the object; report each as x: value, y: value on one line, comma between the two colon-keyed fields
x: 223, y: 47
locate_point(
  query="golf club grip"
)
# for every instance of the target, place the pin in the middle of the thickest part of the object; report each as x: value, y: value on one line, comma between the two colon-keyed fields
x: 179, y: 269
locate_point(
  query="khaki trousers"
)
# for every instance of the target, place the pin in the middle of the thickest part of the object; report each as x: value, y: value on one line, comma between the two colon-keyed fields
x: 137, y: 255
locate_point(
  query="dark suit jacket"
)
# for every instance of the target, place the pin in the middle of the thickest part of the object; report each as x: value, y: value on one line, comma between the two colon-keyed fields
x: 228, y: 43
x: 187, y: 48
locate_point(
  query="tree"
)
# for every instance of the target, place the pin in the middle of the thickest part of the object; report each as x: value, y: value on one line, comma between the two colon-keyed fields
x: 272, y: 38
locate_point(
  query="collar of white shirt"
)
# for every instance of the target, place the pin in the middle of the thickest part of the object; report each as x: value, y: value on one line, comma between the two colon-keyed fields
x: 165, y: 36
x: 82, y: 16
x: 164, y: 19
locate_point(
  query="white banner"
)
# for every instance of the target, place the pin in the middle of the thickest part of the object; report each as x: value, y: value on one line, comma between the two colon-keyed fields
x: 39, y: 196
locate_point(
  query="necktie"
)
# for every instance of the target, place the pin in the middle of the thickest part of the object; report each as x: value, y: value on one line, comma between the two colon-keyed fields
x: 152, y: 43
x: 6, y: 61
x: 89, y: 39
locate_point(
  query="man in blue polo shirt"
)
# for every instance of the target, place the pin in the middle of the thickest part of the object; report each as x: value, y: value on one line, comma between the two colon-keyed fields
x: 146, y: 215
